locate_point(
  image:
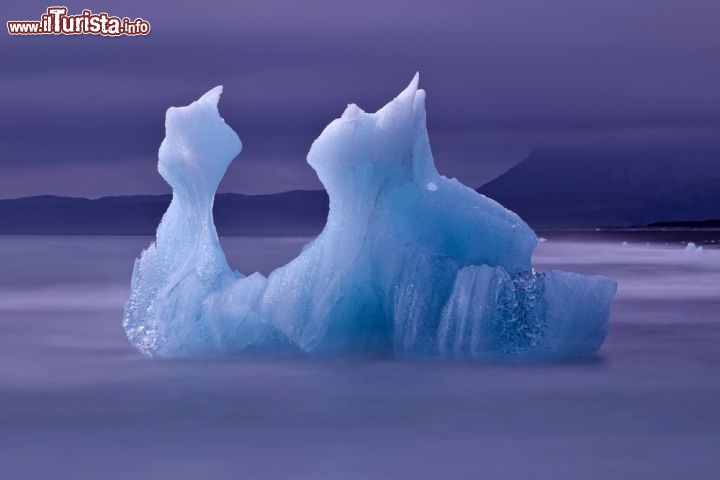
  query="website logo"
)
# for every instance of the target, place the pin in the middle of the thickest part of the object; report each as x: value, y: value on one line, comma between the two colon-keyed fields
x: 56, y: 21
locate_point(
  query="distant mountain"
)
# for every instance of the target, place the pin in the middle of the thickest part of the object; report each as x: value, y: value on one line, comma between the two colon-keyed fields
x: 289, y: 213
x: 611, y: 187
x: 712, y: 223
x: 550, y: 189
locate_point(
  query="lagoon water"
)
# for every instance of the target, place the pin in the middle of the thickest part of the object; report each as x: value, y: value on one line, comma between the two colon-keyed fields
x: 77, y: 402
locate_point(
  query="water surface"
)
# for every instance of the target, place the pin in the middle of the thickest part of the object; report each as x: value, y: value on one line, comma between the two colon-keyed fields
x: 77, y: 402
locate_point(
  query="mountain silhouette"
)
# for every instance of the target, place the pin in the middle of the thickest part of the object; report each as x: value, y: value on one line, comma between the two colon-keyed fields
x: 581, y: 188
x: 301, y: 213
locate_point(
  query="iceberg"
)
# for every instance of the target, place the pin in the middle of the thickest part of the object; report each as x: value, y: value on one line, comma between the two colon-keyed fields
x: 410, y: 263
x: 692, y: 248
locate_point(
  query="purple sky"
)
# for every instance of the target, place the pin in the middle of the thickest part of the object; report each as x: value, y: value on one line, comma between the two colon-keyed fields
x: 84, y: 115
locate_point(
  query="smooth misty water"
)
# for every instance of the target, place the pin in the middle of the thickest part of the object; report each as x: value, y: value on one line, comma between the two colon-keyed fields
x: 77, y: 402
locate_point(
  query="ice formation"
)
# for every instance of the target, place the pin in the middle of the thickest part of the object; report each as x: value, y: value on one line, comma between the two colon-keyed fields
x: 692, y: 248
x: 409, y: 263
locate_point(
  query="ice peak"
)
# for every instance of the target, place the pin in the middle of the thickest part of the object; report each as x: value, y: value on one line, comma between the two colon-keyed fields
x: 198, y: 146
x: 212, y: 96
x: 405, y: 100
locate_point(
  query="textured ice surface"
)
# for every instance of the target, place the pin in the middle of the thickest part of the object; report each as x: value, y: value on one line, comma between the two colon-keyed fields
x: 410, y: 262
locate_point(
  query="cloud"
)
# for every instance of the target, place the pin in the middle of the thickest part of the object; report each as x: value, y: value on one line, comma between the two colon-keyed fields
x: 502, y: 78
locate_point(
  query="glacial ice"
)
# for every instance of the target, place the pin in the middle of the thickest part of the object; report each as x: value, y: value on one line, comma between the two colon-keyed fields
x: 410, y: 263
x: 692, y: 248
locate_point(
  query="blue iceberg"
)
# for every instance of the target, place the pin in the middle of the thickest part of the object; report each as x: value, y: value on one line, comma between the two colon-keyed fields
x: 410, y: 263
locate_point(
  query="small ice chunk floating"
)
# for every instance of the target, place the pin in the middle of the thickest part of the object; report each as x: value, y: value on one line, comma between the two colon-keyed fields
x: 410, y: 263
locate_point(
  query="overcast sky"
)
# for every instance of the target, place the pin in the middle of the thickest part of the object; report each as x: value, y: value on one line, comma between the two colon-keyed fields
x: 84, y: 115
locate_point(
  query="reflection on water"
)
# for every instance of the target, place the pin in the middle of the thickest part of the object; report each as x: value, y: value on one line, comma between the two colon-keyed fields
x: 77, y: 402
